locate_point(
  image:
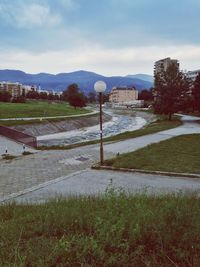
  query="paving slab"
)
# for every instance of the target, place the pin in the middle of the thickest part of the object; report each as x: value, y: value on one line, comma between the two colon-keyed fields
x: 12, y: 147
x: 94, y: 182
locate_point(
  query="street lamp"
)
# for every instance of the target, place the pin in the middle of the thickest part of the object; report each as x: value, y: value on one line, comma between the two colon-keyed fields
x: 100, y: 87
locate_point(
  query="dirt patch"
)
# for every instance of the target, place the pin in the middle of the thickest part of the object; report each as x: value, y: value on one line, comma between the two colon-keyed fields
x: 69, y: 124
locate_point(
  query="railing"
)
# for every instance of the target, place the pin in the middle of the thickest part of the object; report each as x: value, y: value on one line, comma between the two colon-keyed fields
x: 15, y: 135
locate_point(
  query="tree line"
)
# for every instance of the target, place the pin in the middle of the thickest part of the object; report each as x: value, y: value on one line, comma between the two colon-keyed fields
x: 72, y: 94
x: 174, y: 92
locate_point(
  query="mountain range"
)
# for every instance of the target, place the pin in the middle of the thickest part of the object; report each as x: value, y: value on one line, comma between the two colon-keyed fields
x: 84, y: 79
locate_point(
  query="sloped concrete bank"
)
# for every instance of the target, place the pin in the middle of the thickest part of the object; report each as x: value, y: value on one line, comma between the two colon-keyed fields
x: 68, y: 124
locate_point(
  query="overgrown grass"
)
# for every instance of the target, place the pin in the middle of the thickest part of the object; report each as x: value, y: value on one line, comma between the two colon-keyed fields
x: 160, y: 125
x: 37, y: 109
x: 179, y: 154
x: 113, y: 230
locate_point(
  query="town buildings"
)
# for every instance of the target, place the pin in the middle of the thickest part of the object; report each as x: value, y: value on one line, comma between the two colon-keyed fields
x: 123, y: 94
x: 124, y: 97
x: 16, y: 89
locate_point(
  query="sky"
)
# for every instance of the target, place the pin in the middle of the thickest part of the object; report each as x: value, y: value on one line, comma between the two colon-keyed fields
x: 109, y: 37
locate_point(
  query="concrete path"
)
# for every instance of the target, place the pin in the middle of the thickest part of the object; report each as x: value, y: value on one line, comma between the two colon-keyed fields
x: 51, y: 117
x: 91, y: 182
x: 12, y: 147
x: 44, y: 167
x: 189, y: 127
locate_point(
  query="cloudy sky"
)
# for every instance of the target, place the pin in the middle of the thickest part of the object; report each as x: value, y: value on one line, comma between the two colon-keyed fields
x: 110, y: 37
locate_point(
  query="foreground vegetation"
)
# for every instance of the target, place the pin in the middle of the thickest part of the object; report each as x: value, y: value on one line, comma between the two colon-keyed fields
x: 37, y: 109
x: 179, y: 154
x: 113, y: 230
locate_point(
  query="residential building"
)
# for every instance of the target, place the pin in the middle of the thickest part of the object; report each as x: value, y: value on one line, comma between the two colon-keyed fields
x: 192, y: 74
x: 123, y: 94
x: 163, y: 64
x: 15, y: 89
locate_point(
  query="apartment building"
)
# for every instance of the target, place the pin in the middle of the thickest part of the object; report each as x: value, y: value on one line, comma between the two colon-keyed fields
x: 163, y: 64
x: 15, y: 89
x: 123, y: 94
x: 192, y: 74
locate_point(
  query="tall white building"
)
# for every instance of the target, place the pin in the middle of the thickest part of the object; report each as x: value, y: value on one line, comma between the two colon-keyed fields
x: 163, y: 64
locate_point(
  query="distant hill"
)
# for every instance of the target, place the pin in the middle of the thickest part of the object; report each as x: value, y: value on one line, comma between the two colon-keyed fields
x: 59, y: 82
x: 144, y: 77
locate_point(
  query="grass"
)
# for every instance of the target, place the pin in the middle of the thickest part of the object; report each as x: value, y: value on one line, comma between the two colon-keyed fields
x: 38, y: 121
x: 115, y: 230
x: 37, y: 109
x: 179, y: 154
x: 160, y: 125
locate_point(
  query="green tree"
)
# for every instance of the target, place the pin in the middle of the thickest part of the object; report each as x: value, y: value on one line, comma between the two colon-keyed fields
x: 43, y: 95
x: 171, y: 88
x: 5, y: 96
x: 73, y: 95
x: 146, y: 95
x: 70, y: 91
x: 33, y: 95
x: 196, y: 93
x: 77, y: 100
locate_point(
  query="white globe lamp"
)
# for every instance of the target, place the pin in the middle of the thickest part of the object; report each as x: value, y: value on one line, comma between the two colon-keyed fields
x: 100, y: 86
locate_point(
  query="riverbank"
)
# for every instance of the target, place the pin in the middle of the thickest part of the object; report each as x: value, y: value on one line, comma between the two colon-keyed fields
x: 60, y: 125
x: 121, y: 121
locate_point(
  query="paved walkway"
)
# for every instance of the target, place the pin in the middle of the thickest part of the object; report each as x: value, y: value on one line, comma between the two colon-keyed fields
x: 72, y: 166
x: 52, y: 117
x: 12, y: 147
x: 90, y: 182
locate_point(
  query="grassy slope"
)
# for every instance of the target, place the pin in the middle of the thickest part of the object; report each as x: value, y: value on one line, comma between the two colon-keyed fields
x: 114, y: 230
x: 37, y: 109
x: 179, y: 154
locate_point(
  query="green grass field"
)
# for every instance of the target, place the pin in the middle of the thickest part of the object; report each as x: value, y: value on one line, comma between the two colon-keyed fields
x: 113, y: 230
x: 179, y: 154
x: 37, y: 109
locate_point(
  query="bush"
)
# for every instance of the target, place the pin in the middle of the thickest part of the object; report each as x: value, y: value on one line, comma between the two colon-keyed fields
x: 116, y: 229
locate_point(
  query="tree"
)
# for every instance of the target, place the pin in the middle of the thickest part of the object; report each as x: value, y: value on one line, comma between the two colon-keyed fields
x: 19, y: 99
x: 74, y: 96
x: 171, y: 88
x: 145, y: 95
x: 33, y: 95
x: 5, y: 96
x: 196, y: 93
x: 43, y: 95
x: 77, y: 100
x: 71, y: 90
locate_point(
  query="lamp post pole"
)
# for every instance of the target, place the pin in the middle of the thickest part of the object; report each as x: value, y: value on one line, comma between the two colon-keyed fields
x: 101, y: 129
x: 100, y: 87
